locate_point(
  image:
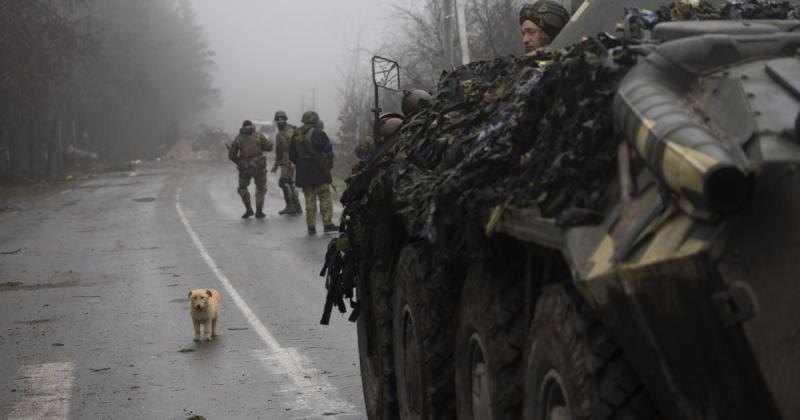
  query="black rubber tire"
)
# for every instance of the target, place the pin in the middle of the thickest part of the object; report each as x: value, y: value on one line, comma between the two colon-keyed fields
x: 574, y: 366
x: 374, y: 328
x: 491, y: 320
x: 423, y: 333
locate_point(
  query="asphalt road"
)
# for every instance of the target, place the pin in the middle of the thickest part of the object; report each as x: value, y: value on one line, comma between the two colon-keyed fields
x: 94, y: 320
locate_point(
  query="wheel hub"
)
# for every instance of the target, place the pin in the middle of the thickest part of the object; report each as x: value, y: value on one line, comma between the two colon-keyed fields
x: 479, y: 379
x: 412, y: 386
x: 553, y: 399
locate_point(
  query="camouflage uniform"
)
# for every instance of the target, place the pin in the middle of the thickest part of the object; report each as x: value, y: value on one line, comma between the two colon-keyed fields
x: 282, y: 161
x: 247, y: 151
x: 311, y: 152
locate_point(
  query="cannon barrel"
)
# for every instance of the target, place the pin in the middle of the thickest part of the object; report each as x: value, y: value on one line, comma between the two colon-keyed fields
x: 678, y: 148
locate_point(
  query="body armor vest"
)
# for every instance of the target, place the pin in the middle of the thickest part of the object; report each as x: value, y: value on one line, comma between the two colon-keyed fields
x: 250, y: 145
x: 282, y: 139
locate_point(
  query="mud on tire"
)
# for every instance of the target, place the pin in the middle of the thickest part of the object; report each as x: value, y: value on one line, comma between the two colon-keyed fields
x: 489, y: 347
x: 574, y: 370
x: 424, y: 320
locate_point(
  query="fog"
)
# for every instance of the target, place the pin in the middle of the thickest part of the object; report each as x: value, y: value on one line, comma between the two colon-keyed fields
x: 286, y: 54
x: 115, y: 81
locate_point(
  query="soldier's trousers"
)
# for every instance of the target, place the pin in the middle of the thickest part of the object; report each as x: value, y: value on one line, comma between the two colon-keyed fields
x: 260, y: 178
x: 286, y: 182
x: 323, y: 193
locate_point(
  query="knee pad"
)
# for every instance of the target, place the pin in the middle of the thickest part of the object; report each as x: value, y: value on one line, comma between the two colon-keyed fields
x: 242, y: 191
x: 283, y: 182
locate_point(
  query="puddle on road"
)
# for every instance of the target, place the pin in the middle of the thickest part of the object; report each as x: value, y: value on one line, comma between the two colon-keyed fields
x: 145, y: 199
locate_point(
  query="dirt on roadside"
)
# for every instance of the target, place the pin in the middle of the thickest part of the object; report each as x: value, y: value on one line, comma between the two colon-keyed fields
x: 17, y: 197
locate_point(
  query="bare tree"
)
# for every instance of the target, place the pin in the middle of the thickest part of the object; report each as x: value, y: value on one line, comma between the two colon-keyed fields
x: 355, y: 117
x: 41, y: 51
x: 494, y: 28
x: 420, y: 46
x: 98, y: 78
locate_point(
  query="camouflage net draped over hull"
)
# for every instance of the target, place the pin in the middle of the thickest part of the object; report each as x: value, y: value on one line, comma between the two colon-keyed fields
x: 516, y: 131
x: 532, y: 132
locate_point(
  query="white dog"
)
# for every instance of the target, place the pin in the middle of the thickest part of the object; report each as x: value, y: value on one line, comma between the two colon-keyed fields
x: 204, y: 308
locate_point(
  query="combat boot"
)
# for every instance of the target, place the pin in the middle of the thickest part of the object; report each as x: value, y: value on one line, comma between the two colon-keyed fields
x: 331, y: 228
x: 249, y: 213
x: 288, y: 209
x: 259, y: 213
x: 296, y: 207
x: 312, y: 230
x: 246, y: 201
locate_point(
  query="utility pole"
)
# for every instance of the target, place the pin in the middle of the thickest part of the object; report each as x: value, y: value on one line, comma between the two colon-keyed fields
x: 463, y: 37
x: 454, y: 12
x: 303, y: 108
x: 447, y: 12
x: 314, y: 97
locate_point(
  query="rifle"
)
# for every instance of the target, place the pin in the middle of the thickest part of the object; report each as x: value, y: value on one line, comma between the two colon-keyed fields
x: 332, y: 271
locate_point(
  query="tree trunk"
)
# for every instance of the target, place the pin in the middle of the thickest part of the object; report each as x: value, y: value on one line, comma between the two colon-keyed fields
x: 56, y: 119
x: 74, y: 144
x: 31, y: 154
x: 60, y: 160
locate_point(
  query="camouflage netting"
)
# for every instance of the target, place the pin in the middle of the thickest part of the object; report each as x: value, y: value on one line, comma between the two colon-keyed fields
x: 533, y: 132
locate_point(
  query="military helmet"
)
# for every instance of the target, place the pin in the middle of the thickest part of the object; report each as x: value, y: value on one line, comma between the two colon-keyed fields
x: 310, y: 117
x: 281, y: 115
x: 389, y: 124
x: 364, y: 148
x: 412, y: 99
x: 546, y: 14
x: 247, y: 123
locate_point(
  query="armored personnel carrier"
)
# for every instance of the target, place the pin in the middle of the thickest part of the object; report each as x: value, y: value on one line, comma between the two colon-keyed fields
x: 607, y: 230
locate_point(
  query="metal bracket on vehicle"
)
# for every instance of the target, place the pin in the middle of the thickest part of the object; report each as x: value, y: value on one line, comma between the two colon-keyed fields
x: 735, y: 305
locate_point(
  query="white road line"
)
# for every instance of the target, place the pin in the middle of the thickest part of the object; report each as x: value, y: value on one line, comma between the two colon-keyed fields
x: 44, y: 391
x: 312, y: 391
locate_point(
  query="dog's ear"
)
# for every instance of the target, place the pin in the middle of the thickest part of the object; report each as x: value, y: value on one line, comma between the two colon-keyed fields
x: 190, y: 294
x: 208, y: 292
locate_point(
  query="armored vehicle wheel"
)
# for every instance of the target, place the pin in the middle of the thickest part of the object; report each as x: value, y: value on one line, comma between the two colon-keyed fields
x: 574, y: 371
x: 424, y: 312
x: 375, y: 347
x: 489, y: 344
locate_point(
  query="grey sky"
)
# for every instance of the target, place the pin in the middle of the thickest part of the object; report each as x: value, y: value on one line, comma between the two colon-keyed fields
x: 270, y: 53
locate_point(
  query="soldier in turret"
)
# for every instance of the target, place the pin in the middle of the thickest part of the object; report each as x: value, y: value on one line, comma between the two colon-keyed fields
x: 247, y: 151
x: 282, y: 161
x: 541, y: 22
